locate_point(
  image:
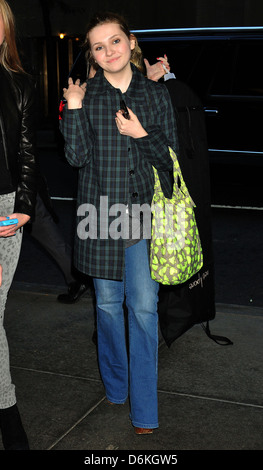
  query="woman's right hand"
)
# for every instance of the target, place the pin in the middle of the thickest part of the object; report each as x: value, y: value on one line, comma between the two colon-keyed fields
x: 10, y: 230
x: 75, y: 93
x: 156, y: 71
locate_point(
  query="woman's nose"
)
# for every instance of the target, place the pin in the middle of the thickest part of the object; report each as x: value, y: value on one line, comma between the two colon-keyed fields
x: 108, y: 51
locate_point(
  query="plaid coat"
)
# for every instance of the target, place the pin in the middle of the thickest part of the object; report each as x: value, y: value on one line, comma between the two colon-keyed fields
x: 113, y: 168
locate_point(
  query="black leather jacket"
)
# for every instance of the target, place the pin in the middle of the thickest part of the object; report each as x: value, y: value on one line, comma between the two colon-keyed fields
x: 17, y: 125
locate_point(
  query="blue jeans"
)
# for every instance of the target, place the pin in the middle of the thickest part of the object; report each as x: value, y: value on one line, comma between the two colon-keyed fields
x: 130, y: 369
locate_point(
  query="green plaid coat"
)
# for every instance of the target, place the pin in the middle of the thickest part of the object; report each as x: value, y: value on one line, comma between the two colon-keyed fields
x: 114, y: 168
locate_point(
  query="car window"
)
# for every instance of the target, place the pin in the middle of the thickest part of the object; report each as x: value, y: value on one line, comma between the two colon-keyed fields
x: 222, y: 79
x: 239, y: 71
x: 193, y: 62
x: 248, y: 79
x: 212, y: 67
x: 205, y: 67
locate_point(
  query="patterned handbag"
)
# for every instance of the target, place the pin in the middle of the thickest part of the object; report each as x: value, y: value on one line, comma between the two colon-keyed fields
x: 175, y: 248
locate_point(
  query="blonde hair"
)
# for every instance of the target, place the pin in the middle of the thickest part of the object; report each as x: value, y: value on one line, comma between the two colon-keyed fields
x: 109, y: 17
x: 136, y: 55
x: 9, y: 56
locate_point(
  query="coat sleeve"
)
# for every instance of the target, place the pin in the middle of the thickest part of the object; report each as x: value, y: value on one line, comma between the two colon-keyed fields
x: 162, y: 134
x: 26, y: 189
x: 78, y: 136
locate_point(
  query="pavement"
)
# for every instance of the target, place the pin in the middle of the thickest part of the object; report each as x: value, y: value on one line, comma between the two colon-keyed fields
x: 210, y: 396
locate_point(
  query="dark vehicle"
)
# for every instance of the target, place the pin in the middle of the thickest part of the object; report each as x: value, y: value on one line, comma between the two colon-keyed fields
x: 223, y: 66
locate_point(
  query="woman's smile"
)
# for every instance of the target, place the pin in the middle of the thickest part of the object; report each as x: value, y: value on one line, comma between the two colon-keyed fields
x: 113, y: 60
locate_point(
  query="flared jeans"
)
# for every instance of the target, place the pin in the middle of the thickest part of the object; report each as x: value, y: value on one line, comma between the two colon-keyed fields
x: 129, y: 363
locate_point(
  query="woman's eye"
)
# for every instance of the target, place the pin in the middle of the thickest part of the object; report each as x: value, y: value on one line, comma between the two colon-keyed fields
x: 98, y: 48
x: 116, y: 41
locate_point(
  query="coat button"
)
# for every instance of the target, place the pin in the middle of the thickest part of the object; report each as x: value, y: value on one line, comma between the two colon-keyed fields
x: 135, y: 195
x: 131, y: 172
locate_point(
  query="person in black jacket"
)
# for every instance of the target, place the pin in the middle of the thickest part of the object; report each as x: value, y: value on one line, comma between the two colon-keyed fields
x: 17, y: 200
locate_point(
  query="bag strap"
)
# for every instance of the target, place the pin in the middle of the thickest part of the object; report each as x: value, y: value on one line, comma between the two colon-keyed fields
x: 179, y: 183
x: 221, y: 340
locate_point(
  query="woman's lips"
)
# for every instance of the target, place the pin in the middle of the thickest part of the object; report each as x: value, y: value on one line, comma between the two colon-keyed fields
x: 113, y: 60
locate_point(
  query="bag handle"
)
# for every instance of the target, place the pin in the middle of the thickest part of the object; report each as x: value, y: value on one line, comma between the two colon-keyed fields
x: 221, y: 340
x: 179, y: 186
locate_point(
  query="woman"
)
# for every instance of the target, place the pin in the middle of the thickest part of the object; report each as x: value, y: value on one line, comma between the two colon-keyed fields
x: 115, y: 157
x: 17, y: 198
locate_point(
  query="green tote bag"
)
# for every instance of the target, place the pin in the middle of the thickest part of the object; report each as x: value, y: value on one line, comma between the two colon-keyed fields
x: 175, y: 248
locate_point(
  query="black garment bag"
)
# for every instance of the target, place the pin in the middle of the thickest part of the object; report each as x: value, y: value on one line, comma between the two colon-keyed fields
x: 181, y: 307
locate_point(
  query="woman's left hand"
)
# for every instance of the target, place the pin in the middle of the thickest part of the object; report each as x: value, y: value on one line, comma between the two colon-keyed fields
x: 131, y: 127
x: 10, y: 230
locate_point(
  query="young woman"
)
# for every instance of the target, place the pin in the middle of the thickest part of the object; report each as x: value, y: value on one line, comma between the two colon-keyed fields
x: 17, y: 199
x: 115, y: 156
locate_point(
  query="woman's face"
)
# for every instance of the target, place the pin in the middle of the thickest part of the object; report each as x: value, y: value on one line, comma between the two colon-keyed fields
x: 2, y: 30
x: 110, y: 47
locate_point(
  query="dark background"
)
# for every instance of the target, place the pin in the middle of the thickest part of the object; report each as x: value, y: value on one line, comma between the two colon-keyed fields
x: 71, y: 17
x: 49, y: 58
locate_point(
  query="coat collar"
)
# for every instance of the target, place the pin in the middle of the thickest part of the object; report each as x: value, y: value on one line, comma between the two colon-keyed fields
x: 136, y: 90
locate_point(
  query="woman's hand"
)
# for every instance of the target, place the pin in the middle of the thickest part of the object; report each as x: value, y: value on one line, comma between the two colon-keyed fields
x: 10, y: 230
x: 131, y: 127
x: 156, y: 71
x: 75, y: 93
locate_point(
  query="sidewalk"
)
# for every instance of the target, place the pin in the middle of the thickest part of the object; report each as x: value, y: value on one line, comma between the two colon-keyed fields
x: 210, y: 396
